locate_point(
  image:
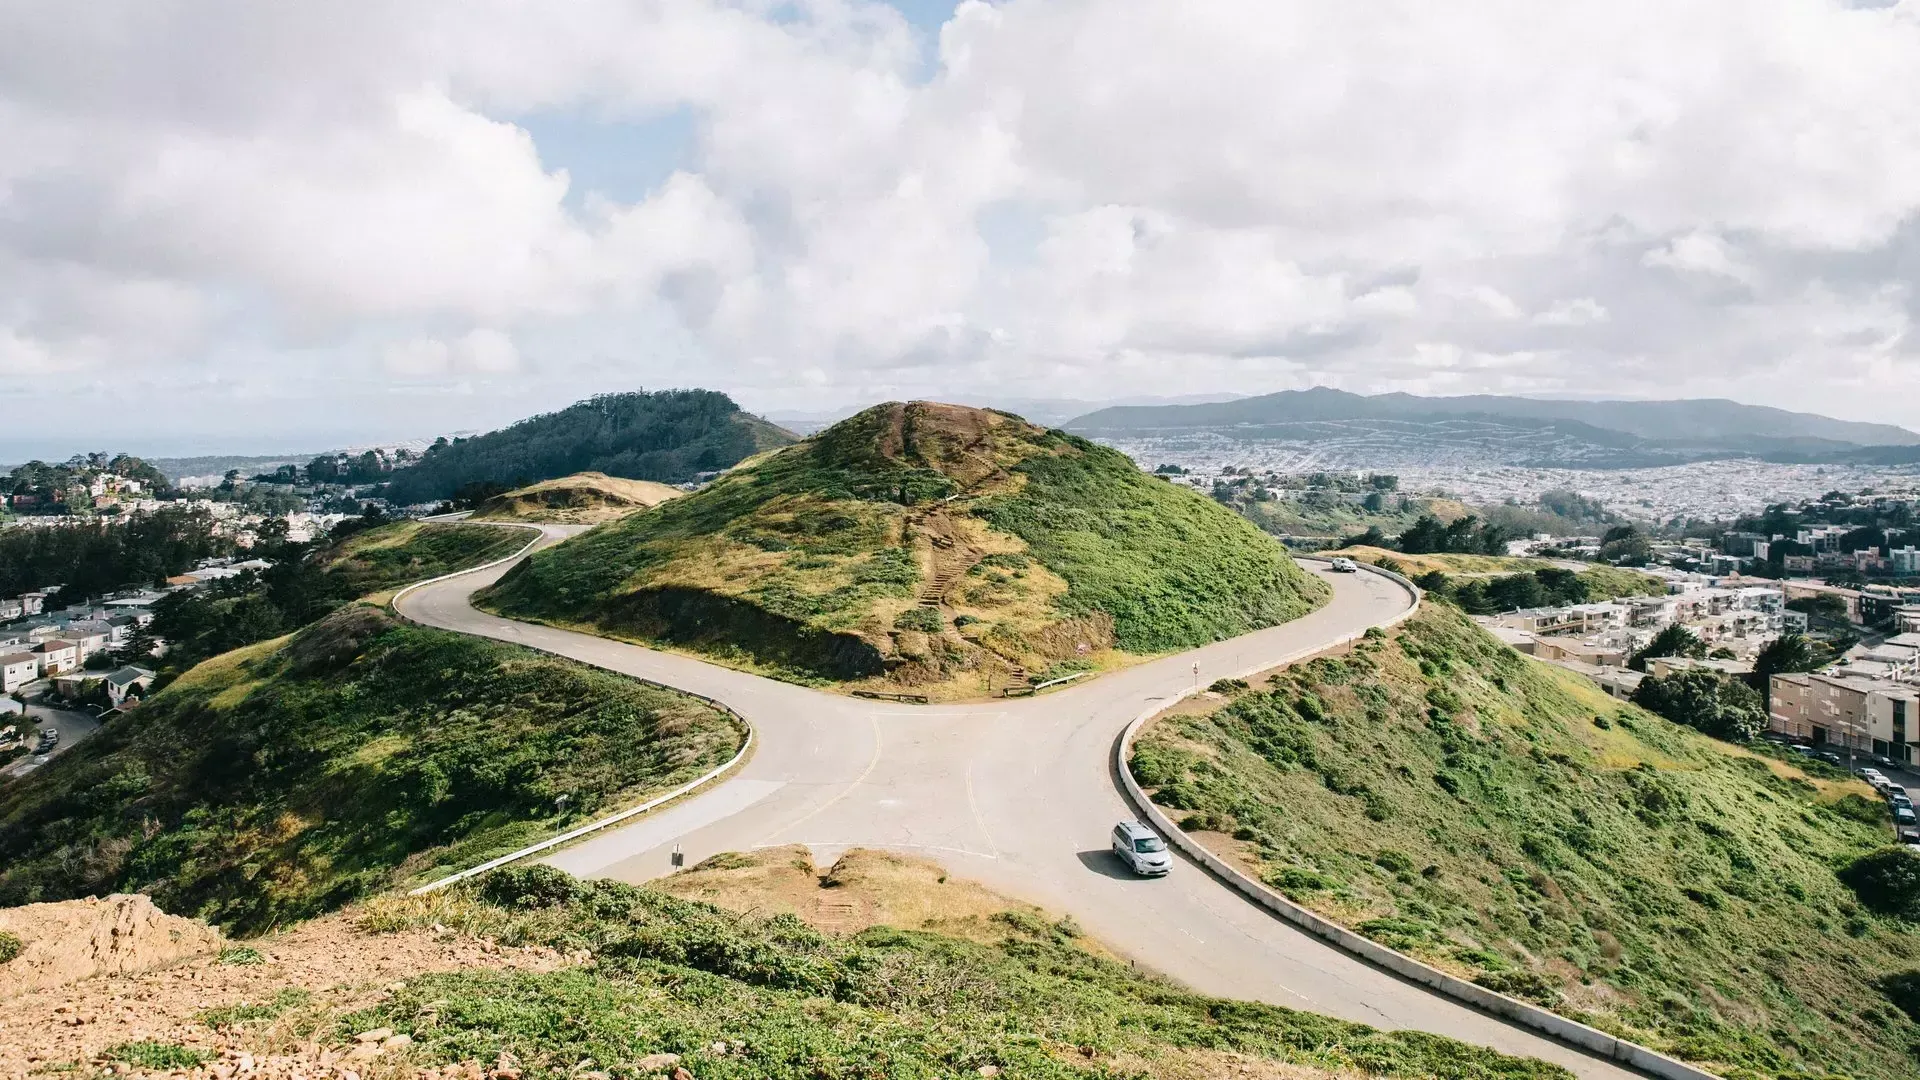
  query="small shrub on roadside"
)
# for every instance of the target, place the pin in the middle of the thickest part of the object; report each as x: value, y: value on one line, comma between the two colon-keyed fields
x: 529, y: 887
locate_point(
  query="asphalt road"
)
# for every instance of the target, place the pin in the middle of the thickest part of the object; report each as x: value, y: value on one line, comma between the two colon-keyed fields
x: 74, y: 727
x: 1017, y: 794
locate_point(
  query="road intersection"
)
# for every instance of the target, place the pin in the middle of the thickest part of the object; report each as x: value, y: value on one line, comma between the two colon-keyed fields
x: 1016, y: 794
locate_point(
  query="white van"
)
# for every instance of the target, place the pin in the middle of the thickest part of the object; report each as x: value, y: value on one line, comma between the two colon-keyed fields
x: 1141, y: 849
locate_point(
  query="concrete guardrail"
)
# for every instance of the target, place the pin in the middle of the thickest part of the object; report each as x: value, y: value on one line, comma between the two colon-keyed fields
x: 1550, y: 1023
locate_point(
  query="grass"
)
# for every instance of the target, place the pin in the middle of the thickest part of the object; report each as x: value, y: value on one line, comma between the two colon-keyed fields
x: 1506, y: 821
x: 226, y: 1016
x: 305, y: 772
x: 409, y: 551
x: 744, y: 995
x: 583, y: 498
x: 1603, y: 582
x: 157, y: 1055
x: 804, y: 563
x: 1331, y: 519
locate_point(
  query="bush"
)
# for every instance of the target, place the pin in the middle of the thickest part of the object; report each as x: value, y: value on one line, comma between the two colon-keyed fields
x: 1704, y: 701
x: 157, y: 1055
x: 1228, y: 686
x: 1525, y: 985
x: 924, y: 619
x: 1903, y: 989
x: 10, y: 946
x: 528, y: 887
x: 1886, y: 881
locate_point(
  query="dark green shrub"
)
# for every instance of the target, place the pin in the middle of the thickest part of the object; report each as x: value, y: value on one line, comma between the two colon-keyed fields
x: 1525, y: 985
x: 1228, y: 686
x: 1886, y: 881
x: 528, y: 887
x: 1705, y: 701
x: 10, y: 946
x: 1903, y: 989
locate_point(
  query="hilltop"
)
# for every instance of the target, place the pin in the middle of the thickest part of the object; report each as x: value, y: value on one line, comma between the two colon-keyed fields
x: 1507, y: 821
x: 587, y: 498
x: 921, y: 545
x: 289, y: 777
x: 669, y: 436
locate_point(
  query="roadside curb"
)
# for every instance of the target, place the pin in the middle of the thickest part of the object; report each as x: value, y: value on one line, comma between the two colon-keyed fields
x: 1545, y: 1021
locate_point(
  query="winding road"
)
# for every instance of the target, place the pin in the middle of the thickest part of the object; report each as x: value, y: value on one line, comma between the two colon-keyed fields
x: 1018, y: 794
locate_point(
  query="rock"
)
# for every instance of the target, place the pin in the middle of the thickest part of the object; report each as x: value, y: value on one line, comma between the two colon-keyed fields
x: 395, y: 1042
x: 657, y: 1062
x: 374, y: 1036
x: 680, y: 1073
x: 988, y: 1070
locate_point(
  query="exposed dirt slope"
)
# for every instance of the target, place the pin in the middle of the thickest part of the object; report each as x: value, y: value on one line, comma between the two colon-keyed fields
x: 587, y: 498
x: 75, y: 939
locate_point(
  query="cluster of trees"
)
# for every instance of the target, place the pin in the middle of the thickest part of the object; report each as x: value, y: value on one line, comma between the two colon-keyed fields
x: 1547, y: 587
x: 1559, y: 513
x: 669, y: 436
x: 1429, y: 535
x: 51, y: 489
x: 95, y: 558
x: 1706, y: 701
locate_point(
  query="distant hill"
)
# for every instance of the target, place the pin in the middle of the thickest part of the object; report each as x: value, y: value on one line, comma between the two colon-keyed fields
x: 669, y: 436
x: 936, y: 547
x: 1518, y: 430
x: 587, y: 498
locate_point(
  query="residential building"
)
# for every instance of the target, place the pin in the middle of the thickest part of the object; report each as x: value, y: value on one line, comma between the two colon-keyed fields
x: 92, y: 635
x: 11, y: 610
x: 1861, y: 715
x: 57, y: 657
x: 127, y: 680
x: 33, y: 603
x: 1586, y: 652
x: 1905, y: 560
x: 17, y: 670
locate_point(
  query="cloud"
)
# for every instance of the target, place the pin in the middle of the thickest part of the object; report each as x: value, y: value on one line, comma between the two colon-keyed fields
x: 350, y: 204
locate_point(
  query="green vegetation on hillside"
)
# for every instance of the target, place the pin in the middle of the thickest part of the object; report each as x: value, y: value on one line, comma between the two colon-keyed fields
x: 666, y: 435
x: 1028, y: 548
x: 307, y: 581
x: 286, y: 779
x: 583, y: 498
x: 1485, y: 584
x: 1505, y: 820
x: 739, y: 996
x: 92, y: 559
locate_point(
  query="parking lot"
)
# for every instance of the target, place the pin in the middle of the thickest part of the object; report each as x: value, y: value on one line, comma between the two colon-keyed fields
x: 73, y: 725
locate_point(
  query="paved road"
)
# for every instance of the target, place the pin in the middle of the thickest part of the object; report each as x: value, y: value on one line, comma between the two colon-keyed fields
x: 1017, y: 794
x: 73, y: 725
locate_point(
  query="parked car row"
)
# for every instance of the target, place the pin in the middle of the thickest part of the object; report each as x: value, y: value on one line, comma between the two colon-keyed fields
x: 1905, y: 822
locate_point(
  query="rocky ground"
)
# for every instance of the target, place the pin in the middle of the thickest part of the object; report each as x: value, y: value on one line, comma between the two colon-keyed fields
x: 205, y: 1008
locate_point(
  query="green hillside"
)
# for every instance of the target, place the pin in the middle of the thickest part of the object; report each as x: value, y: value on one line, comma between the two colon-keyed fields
x: 1504, y: 820
x: 290, y: 777
x: 666, y: 435
x: 752, y: 996
x: 928, y: 546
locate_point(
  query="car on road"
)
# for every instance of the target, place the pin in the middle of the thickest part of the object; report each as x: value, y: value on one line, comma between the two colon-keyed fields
x: 1141, y: 849
x: 1829, y: 757
x: 1345, y: 566
x: 1898, y: 802
x: 1892, y: 790
x: 49, y: 738
x: 1904, y: 819
x: 1868, y: 772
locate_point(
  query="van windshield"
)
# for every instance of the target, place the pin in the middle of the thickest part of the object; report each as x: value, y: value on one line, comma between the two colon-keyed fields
x: 1149, y: 844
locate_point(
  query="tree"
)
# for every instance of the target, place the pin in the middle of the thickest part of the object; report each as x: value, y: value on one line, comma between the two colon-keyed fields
x: 1705, y: 701
x: 1823, y: 606
x: 1674, y: 640
x: 1373, y: 537
x: 1786, y: 654
x: 1374, y: 503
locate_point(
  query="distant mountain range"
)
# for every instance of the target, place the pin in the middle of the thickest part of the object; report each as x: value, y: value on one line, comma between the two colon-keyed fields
x: 1516, y: 430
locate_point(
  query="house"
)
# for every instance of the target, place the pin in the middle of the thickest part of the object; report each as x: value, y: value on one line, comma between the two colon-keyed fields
x: 92, y: 635
x: 33, y: 603
x: 128, y: 680
x: 11, y: 610
x: 17, y: 670
x: 57, y: 657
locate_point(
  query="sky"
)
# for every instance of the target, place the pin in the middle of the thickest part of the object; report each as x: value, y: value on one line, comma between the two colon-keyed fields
x: 231, y: 226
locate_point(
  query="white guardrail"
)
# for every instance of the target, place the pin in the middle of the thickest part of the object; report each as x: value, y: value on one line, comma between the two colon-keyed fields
x: 1551, y: 1023
x: 601, y: 823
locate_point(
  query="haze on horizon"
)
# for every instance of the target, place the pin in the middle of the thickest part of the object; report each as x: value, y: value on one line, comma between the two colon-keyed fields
x: 228, y: 227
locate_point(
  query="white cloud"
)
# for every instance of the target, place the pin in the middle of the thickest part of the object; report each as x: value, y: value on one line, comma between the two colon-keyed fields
x: 1255, y: 192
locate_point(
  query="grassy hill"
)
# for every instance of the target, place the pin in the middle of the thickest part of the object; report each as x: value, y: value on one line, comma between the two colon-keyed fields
x: 1333, y: 519
x: 289, y: 777
x: 407, y: 551
x: 587, y: 498
x: 669, y: 436
x: 929, y: 546
x: 1505, y: 820
x: 757, y: 995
